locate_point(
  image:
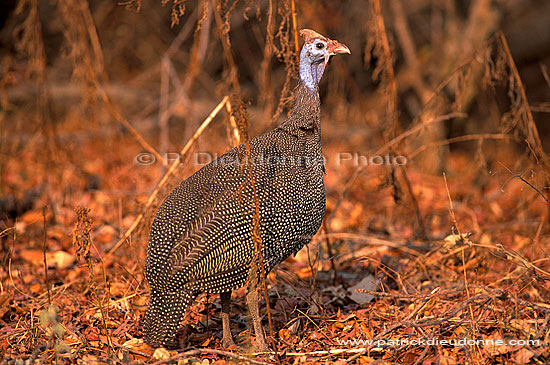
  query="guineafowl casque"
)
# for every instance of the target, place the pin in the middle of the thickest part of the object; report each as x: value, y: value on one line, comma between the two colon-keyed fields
x: 201, y: 238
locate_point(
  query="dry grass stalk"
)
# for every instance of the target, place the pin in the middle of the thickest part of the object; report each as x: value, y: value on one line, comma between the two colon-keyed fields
x: 82, y: 241
x: 387, y: 65
x: 266, y: 90
x: 257, y: 264
x: 294, y: 27
x: 390, y: 86
x: 234, y: 129
x: 168, y: 174
x: 163, y: 104
x: 286, y: 52
x: 198, y: 50
x: 529, y: 124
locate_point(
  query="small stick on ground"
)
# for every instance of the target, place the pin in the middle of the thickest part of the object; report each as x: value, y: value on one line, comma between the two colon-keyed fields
x: 210, y: 351
x: 44, y: 252
x: 451, y: 207
x: 455, y: 223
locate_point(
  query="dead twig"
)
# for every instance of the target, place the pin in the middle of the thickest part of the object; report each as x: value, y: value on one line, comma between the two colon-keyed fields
x: 294, y: 27
x: 393, y: 111
x: 163, y: 115
x: 371, y: 240
x: 211, y: 351
x: 226, y: 44
x: 532, y: 130
x: 384, y: 149
x: 331, y: 352
x: 455, y: 223
x: 465, y: 138
x: 537, y: 190
x: 421, y: 233
x: 451, y: 207
x: 502, y: 252
x: 44, y: 252
x: 233, y: 124
x: 169, y: 173
x: 427, y: 321
x: 329, y: 247
x: 118, y: 116
x: 258, y: 260
x: 388, y: 63
x: 266, y: 97
x: 316, y: 325
x: 198, y: 50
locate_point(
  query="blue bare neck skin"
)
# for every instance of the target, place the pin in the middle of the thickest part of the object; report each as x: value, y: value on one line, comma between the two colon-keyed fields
x: 310, y: 73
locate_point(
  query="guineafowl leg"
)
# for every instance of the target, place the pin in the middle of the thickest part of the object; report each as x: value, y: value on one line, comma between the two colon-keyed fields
x: 252, y: 300
x: 226, y: 302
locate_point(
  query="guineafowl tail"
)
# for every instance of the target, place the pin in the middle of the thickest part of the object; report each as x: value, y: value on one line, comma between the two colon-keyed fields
x: 163, y: 317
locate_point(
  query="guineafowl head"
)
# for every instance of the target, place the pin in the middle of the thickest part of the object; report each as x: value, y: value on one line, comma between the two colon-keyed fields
x: 316, y: 53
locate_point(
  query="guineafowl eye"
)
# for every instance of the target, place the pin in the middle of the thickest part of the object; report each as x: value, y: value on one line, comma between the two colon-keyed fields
x: 320, y: 45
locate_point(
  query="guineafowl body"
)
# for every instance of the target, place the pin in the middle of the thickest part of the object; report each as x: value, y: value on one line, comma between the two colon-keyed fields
x: 201, y: 238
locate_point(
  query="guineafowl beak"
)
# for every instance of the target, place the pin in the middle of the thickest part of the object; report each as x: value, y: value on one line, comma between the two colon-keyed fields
x: 336, y: 47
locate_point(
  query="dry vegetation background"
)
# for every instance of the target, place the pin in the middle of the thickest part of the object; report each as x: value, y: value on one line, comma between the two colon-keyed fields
x: 453, y: 245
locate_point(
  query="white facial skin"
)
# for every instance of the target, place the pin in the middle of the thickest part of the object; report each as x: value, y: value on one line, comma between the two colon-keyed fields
x: 313, y: 59
x: 318, y: 52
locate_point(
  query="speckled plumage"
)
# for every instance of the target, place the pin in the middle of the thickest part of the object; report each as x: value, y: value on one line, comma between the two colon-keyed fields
x: 201, y: 238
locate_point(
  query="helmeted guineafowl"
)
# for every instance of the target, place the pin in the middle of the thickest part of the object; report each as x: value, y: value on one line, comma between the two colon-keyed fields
x: 201, y: 238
